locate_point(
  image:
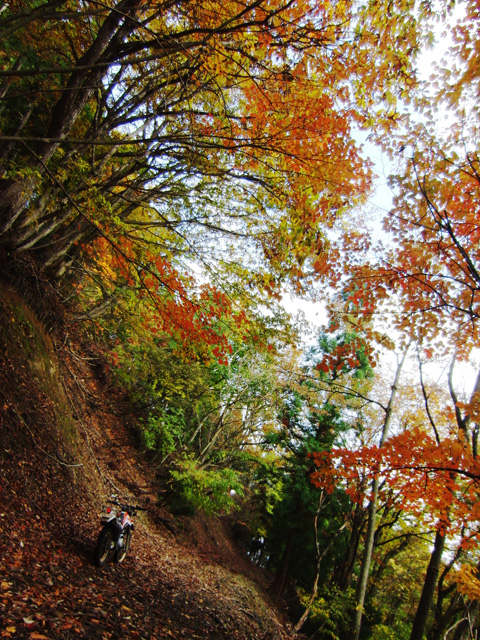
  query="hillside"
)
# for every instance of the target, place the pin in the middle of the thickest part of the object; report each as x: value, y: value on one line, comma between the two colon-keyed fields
x: 66, y: 445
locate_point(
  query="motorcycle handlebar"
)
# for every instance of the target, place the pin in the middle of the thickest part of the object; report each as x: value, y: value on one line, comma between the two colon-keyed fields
x: 127, y: 507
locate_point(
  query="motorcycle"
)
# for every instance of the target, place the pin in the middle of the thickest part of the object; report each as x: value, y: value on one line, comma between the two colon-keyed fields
x: 116, y: 534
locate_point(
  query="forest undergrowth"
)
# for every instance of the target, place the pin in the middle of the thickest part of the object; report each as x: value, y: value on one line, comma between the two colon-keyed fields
x: 66, y: 445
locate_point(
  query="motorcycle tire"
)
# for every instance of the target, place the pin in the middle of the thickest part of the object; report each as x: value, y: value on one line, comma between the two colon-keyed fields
x: 104, y: 547
x: 121, y: 554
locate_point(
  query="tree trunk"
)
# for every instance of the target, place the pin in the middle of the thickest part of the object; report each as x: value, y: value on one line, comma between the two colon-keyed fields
x: 366, y: 560
x: 470, y: 624
x: 83, y: 82
x: 14, y: 195
x: 13, y: 198
x: 372, y: 510
x: 443, y: 621
x: 278, y: 585
x: 445, y: 617
x: 428, y: 591
x: 344, y: 571
x: 320, y: 557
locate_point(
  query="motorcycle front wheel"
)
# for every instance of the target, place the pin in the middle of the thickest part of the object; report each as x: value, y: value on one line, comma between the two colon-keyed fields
x: 120, y: 554
x: 103, y: 548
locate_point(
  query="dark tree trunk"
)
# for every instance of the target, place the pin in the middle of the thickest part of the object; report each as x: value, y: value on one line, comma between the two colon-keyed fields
x: 344, y: 571
x: 428, y: 591
x: 14, y: 195
x: 469, y: 624
x: 83, y: 82
x: 444, y: 620
x: 277, y: 587
x: 13, y: 198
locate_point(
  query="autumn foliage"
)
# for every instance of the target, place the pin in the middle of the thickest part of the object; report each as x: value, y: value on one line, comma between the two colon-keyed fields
x: 416, y: 472
x: 173, y: 169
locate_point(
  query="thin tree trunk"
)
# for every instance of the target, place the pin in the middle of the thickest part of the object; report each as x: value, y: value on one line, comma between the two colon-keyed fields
x: 366, y: 560
x: 313, y: 595
x: 372, y: 511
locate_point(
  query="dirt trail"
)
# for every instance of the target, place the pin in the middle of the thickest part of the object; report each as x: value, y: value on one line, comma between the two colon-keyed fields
x: 65, y: 446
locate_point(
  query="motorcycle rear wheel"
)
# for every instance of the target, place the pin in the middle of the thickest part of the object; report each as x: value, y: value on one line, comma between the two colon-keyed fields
x: 121, y: 554
x: 103, y: 548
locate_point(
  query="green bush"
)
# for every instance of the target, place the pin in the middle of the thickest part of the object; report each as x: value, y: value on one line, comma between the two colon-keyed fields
x: 384, y: 632
x: 164, y: 433
x: 207, y: 490
x: 330, y: 616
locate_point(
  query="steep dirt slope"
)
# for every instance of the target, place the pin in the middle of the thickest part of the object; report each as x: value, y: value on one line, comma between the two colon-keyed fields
x: 65, y: 445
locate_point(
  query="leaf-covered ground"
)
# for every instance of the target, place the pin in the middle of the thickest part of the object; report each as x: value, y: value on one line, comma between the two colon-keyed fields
x: 65, y: 445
